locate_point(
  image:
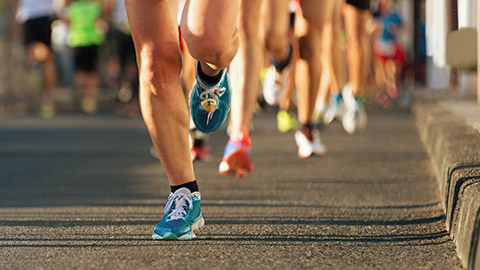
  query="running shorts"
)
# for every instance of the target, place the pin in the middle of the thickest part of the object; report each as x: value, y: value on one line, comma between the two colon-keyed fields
x: 398, y: 55
x: 38, y: 30
x: 360, y: 4
x: 121, y: 45
x: 85, y: 58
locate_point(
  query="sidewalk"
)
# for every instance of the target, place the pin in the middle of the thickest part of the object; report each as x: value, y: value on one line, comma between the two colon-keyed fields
x: 83, y: 192
x: 450, y: 129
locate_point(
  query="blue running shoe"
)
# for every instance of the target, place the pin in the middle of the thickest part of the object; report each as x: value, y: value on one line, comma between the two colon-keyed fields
x: 210, y: 103
x: 182, y: 217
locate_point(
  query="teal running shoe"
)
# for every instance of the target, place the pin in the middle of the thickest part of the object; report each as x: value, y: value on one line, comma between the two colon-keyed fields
x: 182, y: 217
x: 210, y: 103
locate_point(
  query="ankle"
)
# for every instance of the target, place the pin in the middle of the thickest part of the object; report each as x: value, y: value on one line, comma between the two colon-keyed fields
x: 209, y: 79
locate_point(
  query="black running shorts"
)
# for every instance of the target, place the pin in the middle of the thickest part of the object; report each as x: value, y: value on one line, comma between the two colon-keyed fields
x: 85, y: 58
x: 360, y: 4
x: 38, y: 30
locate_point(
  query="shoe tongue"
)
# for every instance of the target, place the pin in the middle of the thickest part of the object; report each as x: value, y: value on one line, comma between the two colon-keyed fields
x: 184, y: 191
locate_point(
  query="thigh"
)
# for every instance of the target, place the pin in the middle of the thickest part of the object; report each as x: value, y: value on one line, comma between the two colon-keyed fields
x: 249, y: 17
x: 318, y: 13
x: 154, y: 28
x: 351, y: 16
x: 278, y: 17
x: 356, y: 18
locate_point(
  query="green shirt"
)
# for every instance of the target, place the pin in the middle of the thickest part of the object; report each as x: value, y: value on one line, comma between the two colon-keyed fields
x: 83, y: 16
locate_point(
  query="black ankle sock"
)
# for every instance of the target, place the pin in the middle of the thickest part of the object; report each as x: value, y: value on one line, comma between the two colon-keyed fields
x: 283, y: 64
x: 198, y: 143
x: 190, y: 185
x: 208, y: 79
x: 308, y: 126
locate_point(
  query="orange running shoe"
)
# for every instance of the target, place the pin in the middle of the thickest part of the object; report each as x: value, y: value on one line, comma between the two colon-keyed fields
x: 237, y: 158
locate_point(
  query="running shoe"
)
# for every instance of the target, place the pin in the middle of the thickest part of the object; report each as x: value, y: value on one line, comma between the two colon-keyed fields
x: 334, y: 110
x: 89, y: 105
x: 355, y: 116
x: 200, y: 153
x: 182, y: 217
x: 319, y: 111
x: 47, y: 110
x: 210, y: 103
x: 309, y: 143
x: 237, y: 158
x: 275, y: 84
x: 286, y: 121
x: 199, y: 145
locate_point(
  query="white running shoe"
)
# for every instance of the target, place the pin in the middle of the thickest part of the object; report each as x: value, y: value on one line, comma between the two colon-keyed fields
x: 275, y: 84
x: 335, y: 109
x: 355, y: 116
x: 309, y: 143
x: 319, y: 112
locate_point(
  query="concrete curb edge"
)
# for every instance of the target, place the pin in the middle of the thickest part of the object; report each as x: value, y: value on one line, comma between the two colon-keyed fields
x: 454, y: 149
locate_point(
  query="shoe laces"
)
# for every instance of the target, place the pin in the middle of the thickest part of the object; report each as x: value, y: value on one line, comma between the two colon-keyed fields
x: 178, y: 206
x: 209, y: 100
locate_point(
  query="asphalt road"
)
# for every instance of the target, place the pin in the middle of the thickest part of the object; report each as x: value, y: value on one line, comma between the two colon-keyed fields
x: 81, y: 192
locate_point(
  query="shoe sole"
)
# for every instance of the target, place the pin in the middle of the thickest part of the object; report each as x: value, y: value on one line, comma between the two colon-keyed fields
x: 237, y: 164
x: 312, y: 154
x: 171, y: 236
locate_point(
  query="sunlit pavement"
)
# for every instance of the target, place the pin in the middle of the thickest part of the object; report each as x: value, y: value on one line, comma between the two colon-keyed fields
x: 84, y: 192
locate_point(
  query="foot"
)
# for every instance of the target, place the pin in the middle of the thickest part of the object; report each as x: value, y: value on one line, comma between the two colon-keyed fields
x: 319, y: 111
x: 237, y: 158
x: 355, y: 116
x: 47, y: 110
x: 210, y: 103
x: 275, y: 85
x: 276, y: 80
x: 182, y: 216
x: 309, y: 143
x: 334, y: 110
x: 89, y: 105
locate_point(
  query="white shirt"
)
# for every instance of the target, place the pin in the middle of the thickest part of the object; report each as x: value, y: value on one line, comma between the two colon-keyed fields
x: 31, y: 9
x: 119, y: 13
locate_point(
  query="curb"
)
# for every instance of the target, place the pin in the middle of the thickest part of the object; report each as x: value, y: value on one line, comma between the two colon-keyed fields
x: 453, y: 144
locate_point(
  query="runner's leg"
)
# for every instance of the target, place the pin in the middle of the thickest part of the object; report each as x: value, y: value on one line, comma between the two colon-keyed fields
x: 246, y: 66
x: 245, y: 70
x: 155, y: 33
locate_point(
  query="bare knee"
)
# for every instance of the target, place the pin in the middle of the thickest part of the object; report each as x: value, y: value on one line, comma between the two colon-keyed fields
x: 208, y: 45
x: 310, y: 45
x: 275, y: 42
x: 160, y: 68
